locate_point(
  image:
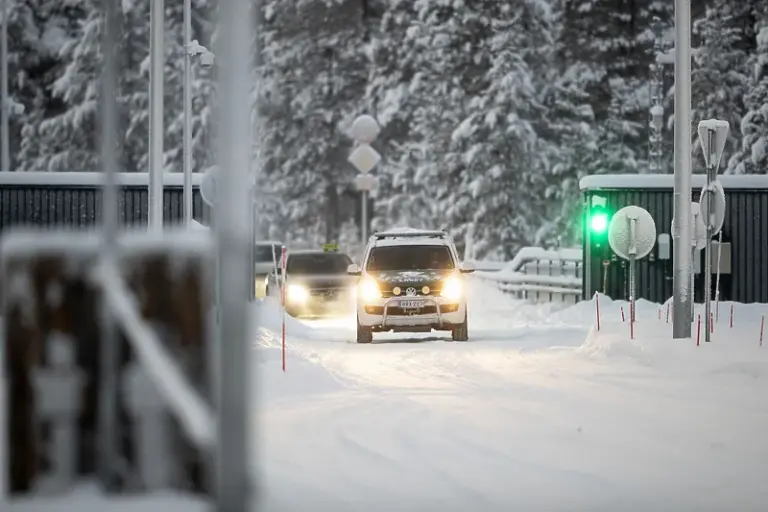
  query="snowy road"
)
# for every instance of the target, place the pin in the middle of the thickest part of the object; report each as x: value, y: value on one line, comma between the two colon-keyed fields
x: 538, y: 413
x: 528, y: 416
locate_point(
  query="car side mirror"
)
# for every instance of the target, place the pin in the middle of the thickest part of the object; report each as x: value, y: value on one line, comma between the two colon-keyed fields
x: 466, y: 267
x: 353, y: 270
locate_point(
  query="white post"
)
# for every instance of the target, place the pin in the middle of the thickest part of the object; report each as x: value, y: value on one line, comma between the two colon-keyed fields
x: 5, y: 107
x: 681, y: 232
x: 156, y: 132
x: 109, y: 359
x: 152, y: 429
x: 187, y: 143
x: 233, y: 227
x: 59, y: 388
x: 364, y: 216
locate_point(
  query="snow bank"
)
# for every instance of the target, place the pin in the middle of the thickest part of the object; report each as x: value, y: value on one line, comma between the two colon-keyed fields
x: 88, y: 498
x: 734, y: 349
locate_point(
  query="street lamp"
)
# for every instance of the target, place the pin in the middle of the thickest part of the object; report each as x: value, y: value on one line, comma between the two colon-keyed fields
x: 192, y: 49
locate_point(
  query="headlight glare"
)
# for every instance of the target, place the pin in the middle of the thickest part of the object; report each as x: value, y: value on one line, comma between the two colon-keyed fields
x: 369, y: 290
x: 297, y: 293
x: 452, y: 288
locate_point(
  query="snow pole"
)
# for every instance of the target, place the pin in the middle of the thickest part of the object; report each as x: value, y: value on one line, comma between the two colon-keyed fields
x: 282, y: 301
x: 762, y: 325
x: 622, y: 313
x: 597, y: 310
x: 667, y: 312
x: 631, y: 325
x: 698, y: 330
x: 731, y: 321
x: 711, y: 322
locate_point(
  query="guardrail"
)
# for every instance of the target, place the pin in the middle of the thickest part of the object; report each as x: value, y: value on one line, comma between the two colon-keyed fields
x: 539, y: 275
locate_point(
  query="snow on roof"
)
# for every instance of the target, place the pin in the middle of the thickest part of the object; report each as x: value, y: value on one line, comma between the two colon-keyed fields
x: 89, y: 179
x: 667, y: 181
x: 22, y: 242
x: 389, y: 242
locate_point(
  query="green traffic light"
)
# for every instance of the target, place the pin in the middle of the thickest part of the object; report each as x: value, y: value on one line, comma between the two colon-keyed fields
x: 599, y: 223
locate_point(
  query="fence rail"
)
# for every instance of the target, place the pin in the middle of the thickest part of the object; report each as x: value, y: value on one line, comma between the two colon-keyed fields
x: 55, y: 287
x: 539, y: 275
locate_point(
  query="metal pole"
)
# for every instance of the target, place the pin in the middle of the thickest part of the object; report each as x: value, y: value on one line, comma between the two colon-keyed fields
x: 708, y: 256
x: 681, y: 229
x: 108, y: 412
x: 364, y: 217
x: 5, y: 160
x: 156, y: 132
x: 233, y: 234
x: 187, y: 143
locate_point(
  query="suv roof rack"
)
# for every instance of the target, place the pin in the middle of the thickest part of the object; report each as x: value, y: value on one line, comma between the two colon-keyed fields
x: 410, y: 234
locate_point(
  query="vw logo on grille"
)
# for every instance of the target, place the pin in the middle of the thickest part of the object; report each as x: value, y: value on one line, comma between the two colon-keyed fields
x: 411, y: 291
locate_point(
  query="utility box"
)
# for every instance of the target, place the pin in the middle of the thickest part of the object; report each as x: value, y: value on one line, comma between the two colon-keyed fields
x: 73, y: 199
x: 743, y: 260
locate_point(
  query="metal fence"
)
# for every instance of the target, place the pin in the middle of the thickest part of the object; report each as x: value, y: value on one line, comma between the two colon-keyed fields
x: 540, y: 275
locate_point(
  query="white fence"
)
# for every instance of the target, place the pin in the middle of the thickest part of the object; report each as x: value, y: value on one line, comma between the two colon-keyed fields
x: 539, y: 275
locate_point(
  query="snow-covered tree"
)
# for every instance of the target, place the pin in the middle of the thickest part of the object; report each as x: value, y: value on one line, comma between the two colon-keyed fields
x: 721, y: 75
x: 753, y: 157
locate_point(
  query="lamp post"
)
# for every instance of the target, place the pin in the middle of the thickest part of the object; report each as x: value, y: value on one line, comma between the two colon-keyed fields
x: 156, y: 132
x: 192, y: 49
x: 681, y: 223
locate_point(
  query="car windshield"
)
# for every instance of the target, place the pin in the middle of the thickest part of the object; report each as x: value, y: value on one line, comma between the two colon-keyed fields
x: 266, y: 253
x: 318, y: 263
x: 410, y: 257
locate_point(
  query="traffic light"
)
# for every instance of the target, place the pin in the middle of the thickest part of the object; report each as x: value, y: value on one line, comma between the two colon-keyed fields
x: 598, y: 217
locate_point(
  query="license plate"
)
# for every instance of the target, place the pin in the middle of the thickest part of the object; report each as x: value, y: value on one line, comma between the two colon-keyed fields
x: 411, y: 304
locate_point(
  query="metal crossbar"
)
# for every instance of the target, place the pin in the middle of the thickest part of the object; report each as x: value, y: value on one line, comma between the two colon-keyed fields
x: 196, y: 417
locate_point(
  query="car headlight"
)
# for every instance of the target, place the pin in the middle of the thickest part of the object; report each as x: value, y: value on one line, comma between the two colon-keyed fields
x: 297, y: 293
x: 369, y: 290
x: 452, y: 288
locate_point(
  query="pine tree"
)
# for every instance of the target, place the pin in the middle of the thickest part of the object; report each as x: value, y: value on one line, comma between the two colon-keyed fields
x: 721, y: 75
x: 753, y: 157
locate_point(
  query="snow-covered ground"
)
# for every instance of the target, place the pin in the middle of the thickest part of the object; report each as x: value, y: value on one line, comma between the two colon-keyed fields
x: 539, y: 412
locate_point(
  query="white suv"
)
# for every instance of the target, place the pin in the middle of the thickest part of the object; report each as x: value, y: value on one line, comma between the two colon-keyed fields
x: 411, y: 281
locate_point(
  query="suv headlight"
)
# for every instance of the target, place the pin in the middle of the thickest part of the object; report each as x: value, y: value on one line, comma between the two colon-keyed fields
x: 452, y: 288
x: 297, y: 293
x: 369, y: 290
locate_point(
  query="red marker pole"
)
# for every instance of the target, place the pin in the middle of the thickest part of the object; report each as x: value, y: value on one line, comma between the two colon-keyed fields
x: 731, y: 322
x: 667, y: 312
x: 622, y: 313
x: 762, y: 325
x: 282, y: 299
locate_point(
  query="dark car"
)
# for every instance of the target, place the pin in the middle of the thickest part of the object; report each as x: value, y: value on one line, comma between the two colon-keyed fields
x: 317, y: 284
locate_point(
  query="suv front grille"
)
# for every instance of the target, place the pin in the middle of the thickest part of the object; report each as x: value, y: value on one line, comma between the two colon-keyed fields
x: 388, y: 293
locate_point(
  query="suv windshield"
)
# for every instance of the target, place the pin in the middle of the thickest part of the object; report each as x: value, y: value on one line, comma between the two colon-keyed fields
x: 266, y: 253
x: 410, y: 257
x: 318, y: 263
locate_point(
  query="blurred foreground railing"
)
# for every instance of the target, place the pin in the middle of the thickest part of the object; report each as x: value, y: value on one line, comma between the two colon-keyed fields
x: 540, y: 275
x: 55, y: 289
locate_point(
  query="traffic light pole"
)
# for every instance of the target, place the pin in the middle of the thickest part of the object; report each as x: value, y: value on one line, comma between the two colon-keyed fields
x: 681, y: 224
